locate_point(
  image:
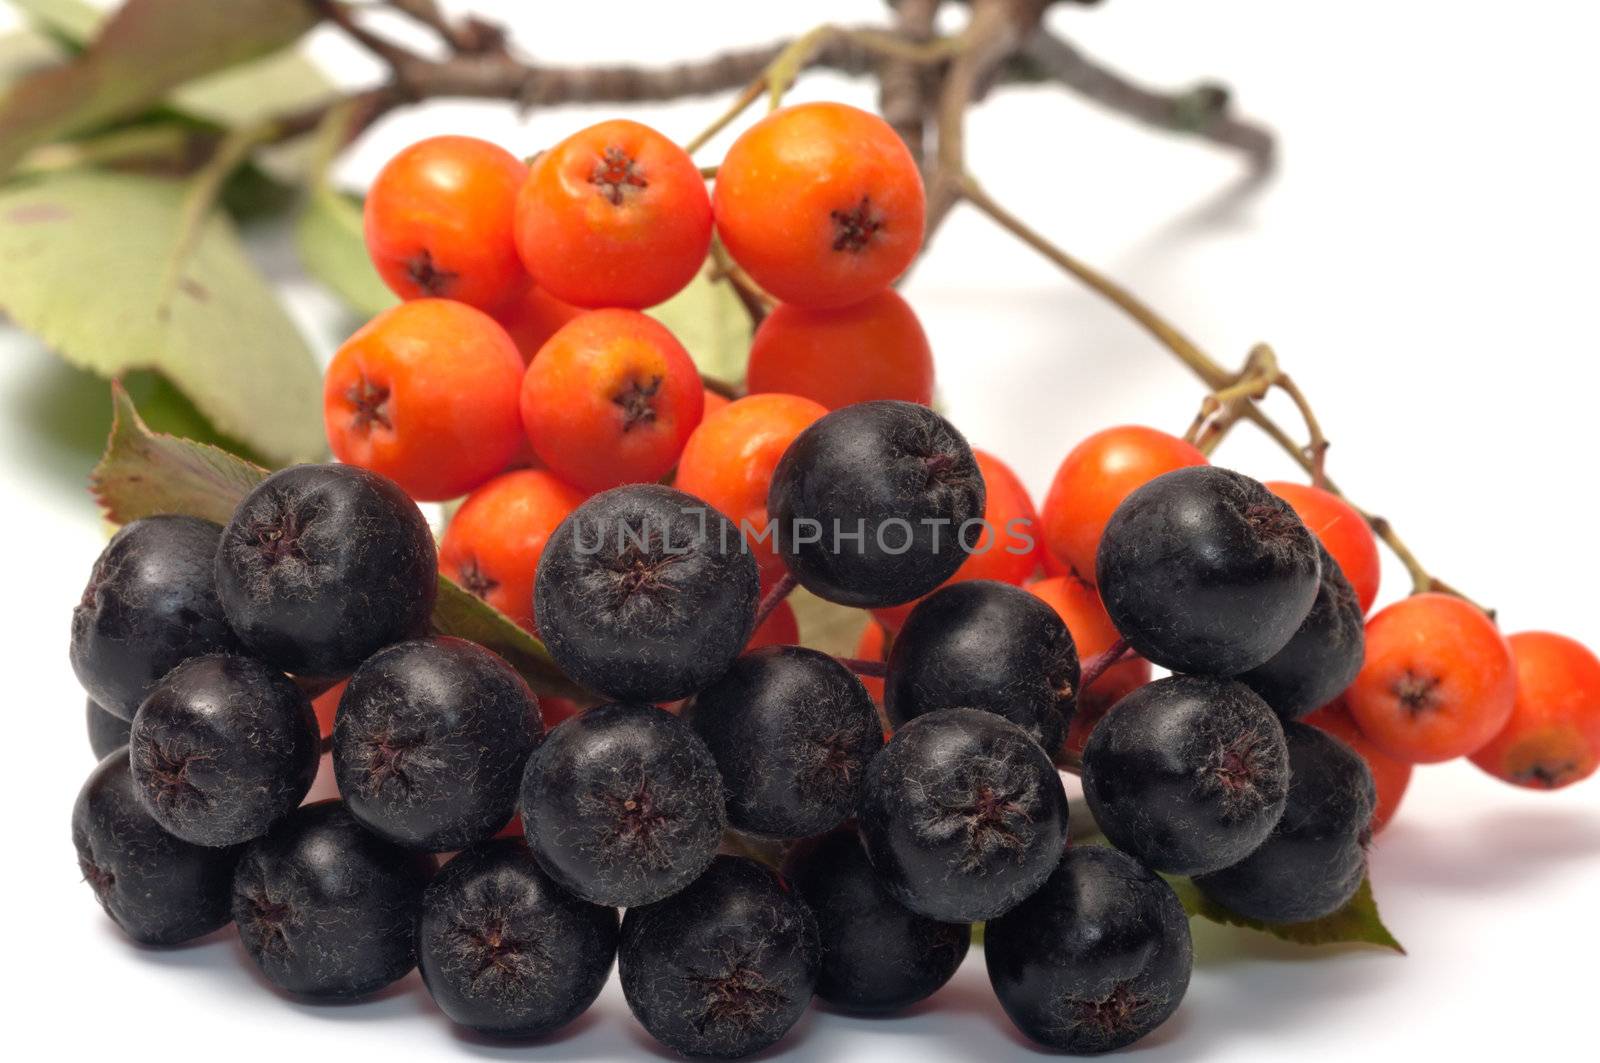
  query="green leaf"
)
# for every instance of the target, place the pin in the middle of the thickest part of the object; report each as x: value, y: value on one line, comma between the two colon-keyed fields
x: 709, y: 320
x: 460, y: 613
x: 143, y: 473
x: 328, y: 235
x: 95, y: 248
x: 252, y: 92
x: 24, y: 52
x: 143, y: 51
x: 73, y: 22
x: 1356, y: 923
x: 825, y: 626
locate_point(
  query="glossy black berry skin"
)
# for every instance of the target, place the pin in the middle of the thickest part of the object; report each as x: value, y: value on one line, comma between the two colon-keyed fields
x: 106, y: 732
x: 223, y: 748
x: 724, y: 968
x: 622, y: 804
x: 1323, y: 657
x: 792, y: 731
x: 1096, y: 959
x: 327, y: 909
x: 505, y: 951
x: 898, y: 473
x: 1206, y: 571
x: 878, y: 956
x: 980, y: 644
x: 150, y: 604
x: 645, y: 593
x: 430, y: 741
x: 1314, y: 861
x: 323, y: 565
x: 159, y: 889
x: 1188, y: 773
x: 963, y: 815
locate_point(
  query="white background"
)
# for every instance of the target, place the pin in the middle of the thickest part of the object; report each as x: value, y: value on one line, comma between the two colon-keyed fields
x: 1424, y: 264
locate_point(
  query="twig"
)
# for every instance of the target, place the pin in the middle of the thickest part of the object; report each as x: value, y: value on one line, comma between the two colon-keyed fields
x: 1204, y: 111
x: 1207, y: 369
x: 902, y: 86
x: 1096, y: 666
x: 756, y: 302
x: 780, y: 590
x: 870, y: 669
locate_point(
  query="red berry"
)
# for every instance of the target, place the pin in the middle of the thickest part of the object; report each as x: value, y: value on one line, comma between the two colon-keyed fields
x: 439, y: 222
x: 1343, y: 532
x: 426, y: 394
x: 1439, y: 681
x: 780, y: 628
x: 611, y: 399
x: 1553, y: 738
x: 1094, y: 479
x: 615, y: 215
x: 493, y: 543
x: 821, y: 203
x: 729, y: 459
x: 874, y: 349
x: 531, y: 318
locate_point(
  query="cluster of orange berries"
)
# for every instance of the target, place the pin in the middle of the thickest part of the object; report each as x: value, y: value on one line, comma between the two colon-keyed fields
x: 521, y: 372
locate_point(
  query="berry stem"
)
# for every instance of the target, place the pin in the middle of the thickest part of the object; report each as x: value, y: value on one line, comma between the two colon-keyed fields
x: 1215, y: 376
x: 1096, y: 666
x: 780, y: 590
x: 871, y: 669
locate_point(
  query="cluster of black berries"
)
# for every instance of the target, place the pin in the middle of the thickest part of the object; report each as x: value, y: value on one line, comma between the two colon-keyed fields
x: 205, y: 637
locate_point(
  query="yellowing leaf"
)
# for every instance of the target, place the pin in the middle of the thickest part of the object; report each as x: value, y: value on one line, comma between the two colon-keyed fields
x: 89, y: 253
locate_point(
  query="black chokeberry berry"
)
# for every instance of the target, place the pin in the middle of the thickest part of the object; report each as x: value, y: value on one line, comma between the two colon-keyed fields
x: 106, y: 732
x: 504, y: 950
x: 161, y: 890
x: 724, y: 968
x: 792, y: 731
x: 1096, y: 959
x: 1323, y: 657
x: 979, y: 644
x: 645, y: 593
x: 1188, y: 773
x: 326, y: 908
x: 150, y: 604
x: 877, y: 955
x: 1315, y: 860
x: 963, y: 815
x: 430, y: 741
x: 223, y: 748
x: 322, y: 565
x: 876, y: 503
x: 1204, y: 570
x: 622, y: 804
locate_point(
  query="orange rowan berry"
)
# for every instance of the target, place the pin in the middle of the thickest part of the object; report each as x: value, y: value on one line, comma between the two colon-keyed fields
x: 615, y: 215
x: 426, y: 394
x: 1093, y: 480
x: 1439, y: 680
x: 1342, y: 530
x: 874, y: 349
x: 532, y: 317
x: 492, y: 545
x: 821, y: 203
x: 438, y: 222
x: 611, y: 399
x: 1553, y: 738
x: 780, y: 628
x: 728, y: 461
